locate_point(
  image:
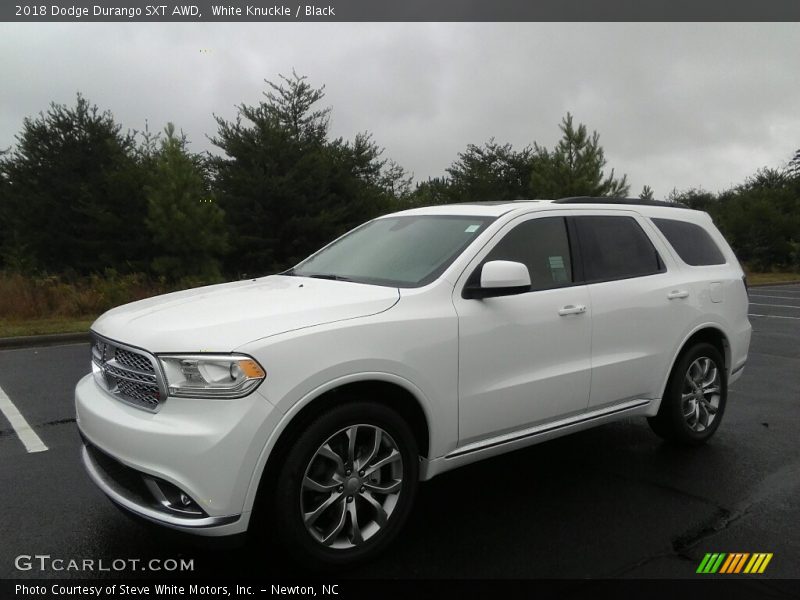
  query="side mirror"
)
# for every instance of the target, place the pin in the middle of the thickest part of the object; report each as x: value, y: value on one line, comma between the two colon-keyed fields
x: 500, y: 278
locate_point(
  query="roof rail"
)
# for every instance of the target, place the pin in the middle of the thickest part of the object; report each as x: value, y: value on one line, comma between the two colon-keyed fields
x: 601, y: 200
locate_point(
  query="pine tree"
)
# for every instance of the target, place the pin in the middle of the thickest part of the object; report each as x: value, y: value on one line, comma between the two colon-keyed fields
x: 647, y: 193
x: 434, y: 191
x: 186, y: 227
x: 794, y: 165
x: 574, y: 167
x: 285, y: 187
x: 490, y: 172
x: 73, y: 198
x: 290, y: 104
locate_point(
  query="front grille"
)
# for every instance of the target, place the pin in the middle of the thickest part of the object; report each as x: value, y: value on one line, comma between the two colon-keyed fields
x: 145, y: 395
x: 127, y: 373
x: 134, y: 361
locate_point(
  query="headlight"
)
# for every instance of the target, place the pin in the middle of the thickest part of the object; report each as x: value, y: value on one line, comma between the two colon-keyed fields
x: 211, y: 375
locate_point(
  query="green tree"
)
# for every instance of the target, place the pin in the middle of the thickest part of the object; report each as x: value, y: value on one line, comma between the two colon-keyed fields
x: 794, y: 165
x: 574, y: 167
x: 73, y: 198
x: 647, y: 193
x: 290, y: 105
x: 490, y: 172
x: 765, y: 179
x: 434, y: 191
x: 761, y: 219
x: 396, y: 182
x: 186, y: 226
x: 695, y: 198
x: 285, y: 187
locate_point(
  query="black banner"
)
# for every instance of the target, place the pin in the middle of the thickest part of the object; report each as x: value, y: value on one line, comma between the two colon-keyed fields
x: 406, y: 10
x: 332, y: 589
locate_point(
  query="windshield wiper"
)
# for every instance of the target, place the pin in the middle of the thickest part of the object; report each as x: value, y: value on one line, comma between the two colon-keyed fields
x: 327, y: 276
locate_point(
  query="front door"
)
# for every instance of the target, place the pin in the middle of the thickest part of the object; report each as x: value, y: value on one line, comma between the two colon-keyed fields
x: 524, y: 359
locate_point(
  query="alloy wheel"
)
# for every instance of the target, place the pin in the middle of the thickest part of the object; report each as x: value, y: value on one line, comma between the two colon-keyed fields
x: 701, y: 392
x: 351, y: 486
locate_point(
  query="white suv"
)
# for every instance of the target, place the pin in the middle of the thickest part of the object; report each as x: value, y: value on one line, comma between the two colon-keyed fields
x: 308, y: 405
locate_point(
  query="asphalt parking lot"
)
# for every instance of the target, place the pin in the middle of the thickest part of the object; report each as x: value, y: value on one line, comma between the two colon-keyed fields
x: 610, y: 502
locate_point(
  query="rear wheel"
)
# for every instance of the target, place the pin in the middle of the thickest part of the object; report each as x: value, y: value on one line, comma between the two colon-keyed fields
x: 695, y: 398
x: 346, y: 486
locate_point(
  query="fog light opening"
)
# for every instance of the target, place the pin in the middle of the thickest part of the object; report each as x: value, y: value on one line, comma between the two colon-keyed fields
x: 172, y: 497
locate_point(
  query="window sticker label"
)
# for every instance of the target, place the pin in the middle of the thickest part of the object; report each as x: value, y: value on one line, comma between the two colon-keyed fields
x: 556, y: 262
x: 472, y: 229
x: 557, y: 269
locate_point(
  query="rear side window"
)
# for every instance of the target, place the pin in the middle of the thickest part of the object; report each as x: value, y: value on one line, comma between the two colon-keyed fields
x: 691, y: 242
x: 541, y: 245
x: 615, y: 248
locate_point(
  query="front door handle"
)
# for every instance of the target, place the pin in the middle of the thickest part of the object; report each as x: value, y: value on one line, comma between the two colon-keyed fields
x: 677, y: 294
x: 572, y: 309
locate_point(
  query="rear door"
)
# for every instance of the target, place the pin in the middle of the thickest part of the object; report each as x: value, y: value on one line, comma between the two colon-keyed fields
x: 639, y: 307
x: 524, y: 359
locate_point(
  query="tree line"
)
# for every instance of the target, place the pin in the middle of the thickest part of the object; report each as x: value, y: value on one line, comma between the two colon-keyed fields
x: 80, y: 196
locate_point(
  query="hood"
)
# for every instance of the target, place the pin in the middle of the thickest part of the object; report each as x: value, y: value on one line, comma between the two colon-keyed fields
x: 220, y: 318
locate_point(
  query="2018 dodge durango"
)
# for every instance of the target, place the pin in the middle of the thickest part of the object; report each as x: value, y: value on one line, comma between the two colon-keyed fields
x: 309, y: 404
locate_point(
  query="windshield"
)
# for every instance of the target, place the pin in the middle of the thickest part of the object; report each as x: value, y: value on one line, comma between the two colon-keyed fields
x: 403, y: 251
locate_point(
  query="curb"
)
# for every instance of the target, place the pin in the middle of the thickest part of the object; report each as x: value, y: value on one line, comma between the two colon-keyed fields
x: 53, y: 339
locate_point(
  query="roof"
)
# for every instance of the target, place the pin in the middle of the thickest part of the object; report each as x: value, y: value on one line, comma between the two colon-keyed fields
x: 496, y: 208
x: 602, y: 200
x: 492, y: 208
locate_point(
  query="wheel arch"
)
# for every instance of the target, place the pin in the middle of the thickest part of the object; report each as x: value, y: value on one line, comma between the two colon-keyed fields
x: 387, y: 389
x: 708, y: 333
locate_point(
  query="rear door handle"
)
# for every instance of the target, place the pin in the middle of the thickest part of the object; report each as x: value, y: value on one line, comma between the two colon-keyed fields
x: 572, y: 309
x: 677, y: 294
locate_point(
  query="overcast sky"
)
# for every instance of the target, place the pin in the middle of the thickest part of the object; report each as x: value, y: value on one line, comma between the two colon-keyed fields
x: 676, y: 105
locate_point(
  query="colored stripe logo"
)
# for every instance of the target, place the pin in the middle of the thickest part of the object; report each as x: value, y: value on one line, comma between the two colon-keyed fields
x: 734, y: 562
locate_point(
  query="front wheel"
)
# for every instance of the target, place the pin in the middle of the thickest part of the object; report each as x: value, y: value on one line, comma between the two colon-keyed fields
x: 347, y: 485
x: 695, y: 398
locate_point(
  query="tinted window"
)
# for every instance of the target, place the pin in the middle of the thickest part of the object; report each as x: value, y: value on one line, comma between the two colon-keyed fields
x: 691, y: 242
x: 543, y: 246
x: 615, y: 248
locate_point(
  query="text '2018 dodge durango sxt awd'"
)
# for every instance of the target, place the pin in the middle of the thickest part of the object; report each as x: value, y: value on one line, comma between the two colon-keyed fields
x: 309, y: 404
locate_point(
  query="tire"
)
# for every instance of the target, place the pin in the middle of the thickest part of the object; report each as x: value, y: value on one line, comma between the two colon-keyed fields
x: 695, y: 398
x: 378, y: 500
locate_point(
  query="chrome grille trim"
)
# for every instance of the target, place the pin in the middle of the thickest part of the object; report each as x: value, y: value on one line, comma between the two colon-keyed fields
x: 130, y: 374
x: 135, y: 376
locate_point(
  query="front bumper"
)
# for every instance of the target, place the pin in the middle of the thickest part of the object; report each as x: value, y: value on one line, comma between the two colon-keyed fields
x: 120, y: 484
x: 207, y: 449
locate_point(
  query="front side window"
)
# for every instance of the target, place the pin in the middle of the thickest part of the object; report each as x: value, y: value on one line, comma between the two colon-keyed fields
x: 542, y: 245
x: 615, y: 248
x: 402, y: 251
x: 691, y: 242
